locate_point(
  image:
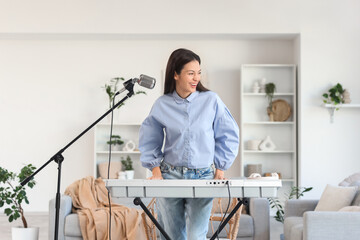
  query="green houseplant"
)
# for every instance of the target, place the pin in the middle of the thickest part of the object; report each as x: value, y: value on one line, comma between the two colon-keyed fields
x: 13, y: 194
x: 275, y: 203
x: 111, y: 88
x: 115, y: 141
x: 334, y: 95
x: 270, y: 89
x: 127, y: 164
x: 128, y: 167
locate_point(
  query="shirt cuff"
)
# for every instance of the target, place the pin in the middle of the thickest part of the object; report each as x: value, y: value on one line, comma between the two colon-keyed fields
x: 151, y: 164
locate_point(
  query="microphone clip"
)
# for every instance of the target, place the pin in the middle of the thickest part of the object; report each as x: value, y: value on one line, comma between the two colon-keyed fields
x: 128, y: 85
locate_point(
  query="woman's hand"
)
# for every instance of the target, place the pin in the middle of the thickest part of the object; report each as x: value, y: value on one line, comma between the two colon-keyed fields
x: 156, y: 174
x: 219, y: 174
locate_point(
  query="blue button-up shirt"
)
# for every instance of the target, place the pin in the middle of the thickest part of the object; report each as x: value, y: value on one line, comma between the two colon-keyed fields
x: 198, y: 131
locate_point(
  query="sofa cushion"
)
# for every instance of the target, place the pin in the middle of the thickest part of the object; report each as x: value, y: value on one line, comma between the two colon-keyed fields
x: 246, y: 227
x: 296, y: 232
x: 334, y: 198
x: 289, y: 223
x: 350, y: 209
x: 72, y: 225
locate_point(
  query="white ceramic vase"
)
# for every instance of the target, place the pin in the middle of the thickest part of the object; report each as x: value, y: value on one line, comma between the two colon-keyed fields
x: 20, y: 233
x: 122, y: 175
x: 129, y: 146
x: 115, y: 147
x: 130, y: 174
x: 267, y: 144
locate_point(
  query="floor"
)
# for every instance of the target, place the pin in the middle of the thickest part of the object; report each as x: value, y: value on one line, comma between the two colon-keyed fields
x: 34, y: 219
x: 41, y: 220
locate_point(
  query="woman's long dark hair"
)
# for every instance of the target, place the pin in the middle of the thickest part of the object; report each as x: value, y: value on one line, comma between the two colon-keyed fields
x: 175, y: 64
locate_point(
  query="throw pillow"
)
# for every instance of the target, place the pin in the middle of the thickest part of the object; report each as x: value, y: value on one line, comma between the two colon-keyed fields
x: 356, y: 201
x: 352, y: 178
x: 334, y: 198
x: 350, y: 209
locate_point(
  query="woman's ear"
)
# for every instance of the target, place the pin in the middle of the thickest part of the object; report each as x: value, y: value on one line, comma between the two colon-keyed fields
x: 176, y: 76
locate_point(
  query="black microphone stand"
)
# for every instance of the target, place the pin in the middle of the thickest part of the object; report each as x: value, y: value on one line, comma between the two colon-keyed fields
x: 58, y: 157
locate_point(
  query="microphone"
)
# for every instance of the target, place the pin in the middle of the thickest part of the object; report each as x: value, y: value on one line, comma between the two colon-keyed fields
x: 144, y: 81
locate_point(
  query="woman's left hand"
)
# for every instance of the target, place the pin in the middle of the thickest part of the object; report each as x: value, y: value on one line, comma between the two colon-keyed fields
x: 219, y: 174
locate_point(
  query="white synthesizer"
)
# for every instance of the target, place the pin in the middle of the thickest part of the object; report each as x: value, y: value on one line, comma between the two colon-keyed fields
x: 242, y: 187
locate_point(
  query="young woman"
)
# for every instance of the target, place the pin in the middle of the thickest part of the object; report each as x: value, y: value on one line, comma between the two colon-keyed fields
x: 200, y: 135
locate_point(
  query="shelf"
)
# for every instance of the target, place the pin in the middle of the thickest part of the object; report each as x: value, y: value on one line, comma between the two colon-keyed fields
x: 348, y: 105
x: 270, y: 123
x: 118, y: 152
x: 332, y: 107
x: 275, y: 151
x: 263, y: 94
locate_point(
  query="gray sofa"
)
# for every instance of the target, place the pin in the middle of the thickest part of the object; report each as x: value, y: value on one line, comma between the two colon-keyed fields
x: 303, y: 223
x: 253, y: 226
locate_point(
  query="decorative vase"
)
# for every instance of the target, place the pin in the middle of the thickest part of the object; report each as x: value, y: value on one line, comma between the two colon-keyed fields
x: 254, y: 168
x: 256, y: 87
x: 130, y: 174
x: 346, y: 96
x: 253, y: 144
x: 262, y: 85
x: 122, y: 175
x: 115, y: 147
x: 129, y: 146
x: 267, y: 144
x: 21, y: 233
x: 271, y: 116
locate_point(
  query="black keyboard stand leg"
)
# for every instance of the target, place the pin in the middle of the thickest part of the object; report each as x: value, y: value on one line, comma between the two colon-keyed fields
x: 227, y: 219
x: 137, y: 201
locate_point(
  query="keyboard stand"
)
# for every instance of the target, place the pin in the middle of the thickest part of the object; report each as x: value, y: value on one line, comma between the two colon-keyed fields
x: 137, y: 202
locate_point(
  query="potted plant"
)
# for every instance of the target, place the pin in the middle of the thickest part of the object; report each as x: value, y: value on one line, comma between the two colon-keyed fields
x: 275, y: 203
x: 115, y: 142
x: 269, y: 94
x: 334, y: 95
x: 14, y: 195
x: 127, y: 165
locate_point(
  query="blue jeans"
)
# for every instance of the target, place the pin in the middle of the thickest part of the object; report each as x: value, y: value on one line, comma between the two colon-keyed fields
x: 185, y: 218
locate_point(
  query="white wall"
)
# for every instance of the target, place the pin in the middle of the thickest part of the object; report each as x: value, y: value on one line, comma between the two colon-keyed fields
x: 42, y: 74
x: 58, y: 84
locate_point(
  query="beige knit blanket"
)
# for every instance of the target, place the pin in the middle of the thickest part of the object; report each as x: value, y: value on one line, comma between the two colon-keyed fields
x: 90, y: 202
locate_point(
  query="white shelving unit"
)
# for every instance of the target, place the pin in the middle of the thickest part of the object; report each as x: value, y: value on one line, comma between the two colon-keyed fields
x: 127, y: 132
x: 255, y: 124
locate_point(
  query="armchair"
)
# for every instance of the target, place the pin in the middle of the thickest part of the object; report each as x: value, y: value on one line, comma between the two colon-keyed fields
x: 303, y: 223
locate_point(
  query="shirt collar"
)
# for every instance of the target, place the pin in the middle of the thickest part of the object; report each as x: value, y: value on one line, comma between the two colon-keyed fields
x: 179, y: 99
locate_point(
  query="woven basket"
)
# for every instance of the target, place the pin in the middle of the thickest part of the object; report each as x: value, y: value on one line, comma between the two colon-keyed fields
x: 281, y: 110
